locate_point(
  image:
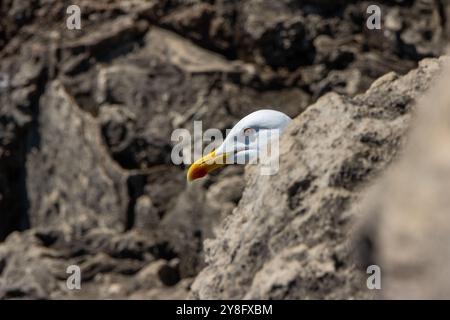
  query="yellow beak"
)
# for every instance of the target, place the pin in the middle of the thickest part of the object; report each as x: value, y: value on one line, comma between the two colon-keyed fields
x: 205, y: 165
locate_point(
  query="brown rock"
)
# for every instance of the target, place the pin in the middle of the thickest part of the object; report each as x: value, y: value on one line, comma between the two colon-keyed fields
x: 288, y: 237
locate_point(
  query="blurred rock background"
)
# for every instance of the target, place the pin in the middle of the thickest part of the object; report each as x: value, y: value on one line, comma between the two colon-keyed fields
x: 406, y: 213
x: 87, y: 115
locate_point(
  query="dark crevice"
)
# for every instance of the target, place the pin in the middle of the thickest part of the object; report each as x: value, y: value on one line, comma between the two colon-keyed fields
x: 17, y: 219
x: 135, y: 186
x: 32, y: 141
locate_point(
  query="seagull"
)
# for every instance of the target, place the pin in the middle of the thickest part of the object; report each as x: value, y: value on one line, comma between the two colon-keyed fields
x: 242, y: 144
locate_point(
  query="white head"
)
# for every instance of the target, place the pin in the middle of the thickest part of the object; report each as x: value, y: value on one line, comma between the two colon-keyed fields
x: 243, y: 142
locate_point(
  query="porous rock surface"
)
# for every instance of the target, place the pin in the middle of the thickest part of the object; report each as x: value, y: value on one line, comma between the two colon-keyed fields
x: 289, y: 236
x: 86, y: 118
x: 406, y: 214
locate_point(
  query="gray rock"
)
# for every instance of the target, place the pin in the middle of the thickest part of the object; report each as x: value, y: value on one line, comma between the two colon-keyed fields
x: 288, y: 237
x: 91, y: 161
x: 91, y: 190
x: 146, y: 214
x: 406, y: 214
x: 33, y: 265
x: 19, y: 98
x: 25, y: 275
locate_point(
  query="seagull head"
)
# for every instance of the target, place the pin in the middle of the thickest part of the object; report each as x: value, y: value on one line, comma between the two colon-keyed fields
x: 243, y: 142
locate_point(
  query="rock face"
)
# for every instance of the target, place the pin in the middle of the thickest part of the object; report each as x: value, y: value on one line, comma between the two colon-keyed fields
x: 34, y: 265
x: 86, y: 118
x: 406, y: 213
x: 288, y: 237
x: 91, y: 190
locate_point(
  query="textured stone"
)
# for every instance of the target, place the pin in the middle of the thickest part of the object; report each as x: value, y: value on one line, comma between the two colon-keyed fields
x: 406, y: 222
x: 90, y: 190
x: 85, y: 131
x: 288, y: 237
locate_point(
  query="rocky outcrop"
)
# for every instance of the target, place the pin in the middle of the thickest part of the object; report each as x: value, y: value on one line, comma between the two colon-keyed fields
x: 406, y: 214
x: 86, y: 118
x: 22, y: 84
x: 289, y: 236
x: 91, y: 189
x: 35, y: 265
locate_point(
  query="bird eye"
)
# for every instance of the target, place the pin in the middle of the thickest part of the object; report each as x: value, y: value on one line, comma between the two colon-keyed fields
x: 249, y: 131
